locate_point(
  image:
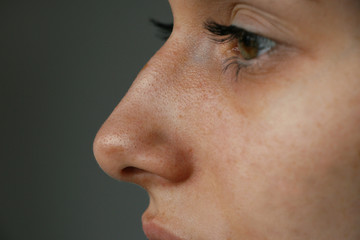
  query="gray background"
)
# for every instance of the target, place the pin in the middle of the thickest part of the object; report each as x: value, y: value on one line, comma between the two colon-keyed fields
x: 64, y: 66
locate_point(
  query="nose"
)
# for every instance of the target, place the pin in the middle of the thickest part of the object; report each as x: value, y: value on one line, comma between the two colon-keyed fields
x: 142, y: 141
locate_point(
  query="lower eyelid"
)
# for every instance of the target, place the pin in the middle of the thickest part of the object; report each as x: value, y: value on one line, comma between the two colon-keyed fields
x: 264, y: 64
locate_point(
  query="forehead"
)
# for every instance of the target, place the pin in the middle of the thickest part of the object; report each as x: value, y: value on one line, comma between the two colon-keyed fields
x: 296, y: 11
x: 202, y: 7
x: 209, y: 3
x: 222, y: 11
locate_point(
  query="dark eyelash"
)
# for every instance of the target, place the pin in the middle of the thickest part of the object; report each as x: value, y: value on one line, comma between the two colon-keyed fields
x: 226, y: 33
x: 165, y: 29
x: 223, y: 34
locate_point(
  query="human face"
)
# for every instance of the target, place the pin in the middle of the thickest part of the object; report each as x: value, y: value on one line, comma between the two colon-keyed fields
x: 269, y: 152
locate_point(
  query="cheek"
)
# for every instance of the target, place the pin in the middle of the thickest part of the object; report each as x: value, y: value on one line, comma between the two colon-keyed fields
x: 287, y: 182
x: 294, y: 165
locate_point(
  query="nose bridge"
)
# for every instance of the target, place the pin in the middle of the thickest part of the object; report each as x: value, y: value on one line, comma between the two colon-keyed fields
x: 140, y: 133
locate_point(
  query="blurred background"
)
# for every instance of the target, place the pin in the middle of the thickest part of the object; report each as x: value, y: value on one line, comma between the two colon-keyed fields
x: 64, y: 66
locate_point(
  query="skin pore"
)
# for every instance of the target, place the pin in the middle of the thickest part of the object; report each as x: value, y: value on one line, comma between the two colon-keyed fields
x: 269, y: 153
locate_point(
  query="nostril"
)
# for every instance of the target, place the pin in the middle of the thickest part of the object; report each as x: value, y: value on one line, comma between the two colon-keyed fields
x: 131, y: 171
x: 135, y: 175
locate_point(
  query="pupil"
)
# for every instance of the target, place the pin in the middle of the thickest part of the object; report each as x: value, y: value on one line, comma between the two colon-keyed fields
x: 250, y: 41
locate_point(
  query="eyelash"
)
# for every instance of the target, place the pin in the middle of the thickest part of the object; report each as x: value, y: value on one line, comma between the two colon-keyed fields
x: 222, y: 34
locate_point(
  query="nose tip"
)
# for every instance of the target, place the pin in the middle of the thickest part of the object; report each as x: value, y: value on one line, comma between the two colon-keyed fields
x: 140, y: 154
x: 108, y: 149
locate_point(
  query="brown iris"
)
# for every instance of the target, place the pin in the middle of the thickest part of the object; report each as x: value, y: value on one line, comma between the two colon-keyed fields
x: 248, y: 46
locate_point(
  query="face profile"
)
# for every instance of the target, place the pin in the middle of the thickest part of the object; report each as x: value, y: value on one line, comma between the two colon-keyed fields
x: 246, y: 123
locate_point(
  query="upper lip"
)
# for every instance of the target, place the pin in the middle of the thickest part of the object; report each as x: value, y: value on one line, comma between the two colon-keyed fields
x: 156, y: 232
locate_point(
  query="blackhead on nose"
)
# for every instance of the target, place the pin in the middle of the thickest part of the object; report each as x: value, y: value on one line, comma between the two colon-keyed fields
x: 141, y: 142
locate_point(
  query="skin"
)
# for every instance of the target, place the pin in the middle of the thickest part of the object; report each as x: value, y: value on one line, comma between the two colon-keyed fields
x: 273, y: 153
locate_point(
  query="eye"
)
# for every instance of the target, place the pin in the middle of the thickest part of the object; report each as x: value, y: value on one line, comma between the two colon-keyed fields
x: 251, y: 45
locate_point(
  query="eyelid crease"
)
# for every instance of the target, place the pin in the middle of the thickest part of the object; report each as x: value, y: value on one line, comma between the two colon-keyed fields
x: 257, y: 20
